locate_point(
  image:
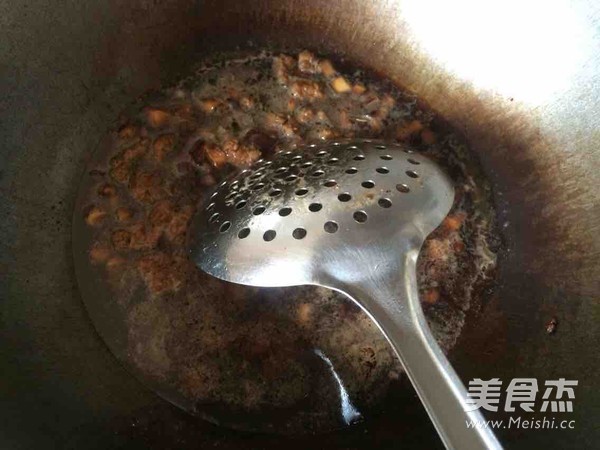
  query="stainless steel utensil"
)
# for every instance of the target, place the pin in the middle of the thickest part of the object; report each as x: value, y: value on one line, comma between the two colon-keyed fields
x: 350, y: 216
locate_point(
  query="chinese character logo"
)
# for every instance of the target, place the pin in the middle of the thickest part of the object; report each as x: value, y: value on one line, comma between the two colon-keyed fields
x: 562, y: 387
x: 521, y: 394
x: 483, y: 394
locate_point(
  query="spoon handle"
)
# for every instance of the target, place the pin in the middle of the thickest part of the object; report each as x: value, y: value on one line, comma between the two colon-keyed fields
x: 394, y: 305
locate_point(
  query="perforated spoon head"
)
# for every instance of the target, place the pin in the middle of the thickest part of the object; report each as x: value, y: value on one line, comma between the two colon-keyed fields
x: 319, y: 212
x: 351, y: 216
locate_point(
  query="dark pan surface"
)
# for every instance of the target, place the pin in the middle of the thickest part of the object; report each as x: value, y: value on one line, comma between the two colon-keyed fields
x: 66, y: 72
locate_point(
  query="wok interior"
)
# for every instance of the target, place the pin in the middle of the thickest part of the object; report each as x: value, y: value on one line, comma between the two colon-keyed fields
x: 538, y: 150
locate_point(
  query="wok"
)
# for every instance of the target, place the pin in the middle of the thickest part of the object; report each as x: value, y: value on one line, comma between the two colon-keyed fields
x: 520, y: 80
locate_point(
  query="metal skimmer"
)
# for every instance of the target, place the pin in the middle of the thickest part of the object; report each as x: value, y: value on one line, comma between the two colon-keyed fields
x: 350, y: 216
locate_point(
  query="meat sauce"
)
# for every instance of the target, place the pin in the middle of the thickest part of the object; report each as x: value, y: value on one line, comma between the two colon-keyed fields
x: 240, y: 351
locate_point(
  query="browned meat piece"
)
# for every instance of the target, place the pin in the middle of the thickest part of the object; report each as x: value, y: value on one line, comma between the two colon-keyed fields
x: 231, y: 152
x: 143, y: 237
x: 161, y: 213
x: 246, y: 103
x: 122, y: 164
x: 407, y: 130
x: 284, y: 127
x: 431, y: 296
x: 178, y: 225
x: 307, y: 89
x: 322, y: 118
x: 215, y: 155
x: 95, y: 216
x: 322, y: 132
x: 282, y: 67
x: 209, y: 105
x: 304, y: 115
x: 454, y: 222
x: 551, y: 326
x: 291, y: 104
x: 128, y: 131
x: 274, y: 121
x: 386, y: 105
x: 239, y: 155
x: 99, y: 253
x: 121, y: 239
x: 458, y: 245
x: 375, y: 124
x: 327, y: 68
x: 359, y: 89
x: 304, y: 313
x: 438, y: 250
x: 115, y: 265
x: 343, y: 120
x: 162, y: 272
x: 136, y: 151
x: 124, y: 214
x: 308, y: 63
x: 147, y: 187
x: 120, y: 171
x: 340, y: 85
x: 163, y: 145
x: 157, y: 118
x: 107, y: 190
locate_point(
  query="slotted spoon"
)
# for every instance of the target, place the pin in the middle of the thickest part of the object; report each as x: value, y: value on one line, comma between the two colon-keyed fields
x: 350, y: 216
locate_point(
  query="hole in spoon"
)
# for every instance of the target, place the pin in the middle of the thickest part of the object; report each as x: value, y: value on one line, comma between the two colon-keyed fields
x: 360, y: 216
x: 330, y: 226
x: 299, y: 233
x: 269, y: 235
x: 367, y: 184
x: 384, y: 202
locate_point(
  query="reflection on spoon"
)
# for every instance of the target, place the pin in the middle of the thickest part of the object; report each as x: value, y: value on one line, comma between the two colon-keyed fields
x: 349, y: 411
